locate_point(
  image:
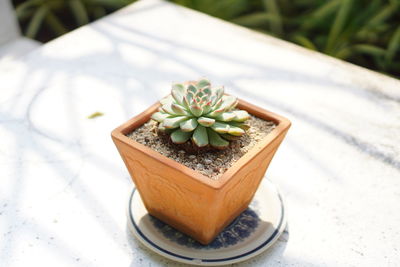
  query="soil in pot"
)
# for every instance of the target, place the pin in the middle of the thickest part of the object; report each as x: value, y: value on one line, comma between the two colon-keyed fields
x: 213, y: 163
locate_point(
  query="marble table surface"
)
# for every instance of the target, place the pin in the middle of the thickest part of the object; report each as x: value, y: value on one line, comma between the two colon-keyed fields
x: 63, y: 185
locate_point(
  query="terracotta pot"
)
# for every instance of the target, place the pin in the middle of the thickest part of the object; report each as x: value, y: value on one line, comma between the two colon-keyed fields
x: 187, y: 200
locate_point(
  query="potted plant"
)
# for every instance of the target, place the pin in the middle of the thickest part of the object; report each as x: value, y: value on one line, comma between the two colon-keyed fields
x: 198, y: 121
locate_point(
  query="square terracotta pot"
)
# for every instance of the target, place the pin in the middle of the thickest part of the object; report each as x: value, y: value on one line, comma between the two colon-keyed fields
x: 187, y: 200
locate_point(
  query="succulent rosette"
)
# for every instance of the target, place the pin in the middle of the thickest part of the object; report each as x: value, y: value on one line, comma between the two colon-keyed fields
x: 196, y: 111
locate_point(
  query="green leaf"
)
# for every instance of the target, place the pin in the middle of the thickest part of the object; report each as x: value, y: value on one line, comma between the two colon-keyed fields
x: 236, y: 131
x: 226, y: 116
x: 199, y: 94
x: 25, y: 14
x: 196, y: 110
x: 366, y: 49
x: 79, y: 11
x: 393, y: 46
x: 215, y: 113
x: 171, y: 123
x: 112, y: 4
x: 177, y: 92
x: 241, y: 115
x: 276, y: 25
x: 203, y: 83
x: 206, y: 122
x: 98, y: 12
x: 304, y: 41
x: 216, y: 140
x: 160, y: 116
x: 220, y: 127
x: 369, y: 49
x: 180, y: 137
x: 55, y: 24
x: 192, y: 89
x: 383, y: 14
x: 95, y: 115
x: 218, y: 92
x: 178, y: 109
x: 240, y: 125
x: 189, y: 125
x: 207, y: 91
x: 320, y: 14
x: 338, y: 24
x: 228, y: 102
x: 36, y: 21
x: 168, y: 108
x: 254, y: 20
x: 200, y: 136
x: 24, y: 9
x: 224, y: 9
x: 186, y: 102
x: 207, y: 108
x: 167, y: 100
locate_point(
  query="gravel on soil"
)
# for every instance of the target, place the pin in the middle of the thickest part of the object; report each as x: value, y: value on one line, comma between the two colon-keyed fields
x: 212, y: 163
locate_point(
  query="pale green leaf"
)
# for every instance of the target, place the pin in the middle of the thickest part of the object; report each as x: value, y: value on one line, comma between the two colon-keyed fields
x: 180, y: 137
x: 207, y: 108
x: 178, y: 109
x: 196, y: 110
x: 236, y: 131
x: 228, y: 102
x: 160, y: 116
x: 226, y: 116
x: 166, y: 100
x: 177, y: 92
x: 220, y: 127
x: 192, y: 89
x: 218, y: 92
x: 168, y: 108
x: 230, y: 137
x: 189, y: 125
x: 206, y: 122
x: 171, y: 123
x: 240, y: 125
x: 216, y: 140
x: 203, y: 83
x: 200, y: 136
x: 241, y: 115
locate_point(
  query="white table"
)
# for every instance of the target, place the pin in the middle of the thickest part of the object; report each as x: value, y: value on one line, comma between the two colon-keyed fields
x: 64, y: 188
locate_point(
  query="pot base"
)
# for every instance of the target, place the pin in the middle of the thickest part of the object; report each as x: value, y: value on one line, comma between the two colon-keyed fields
x: 251, y: 233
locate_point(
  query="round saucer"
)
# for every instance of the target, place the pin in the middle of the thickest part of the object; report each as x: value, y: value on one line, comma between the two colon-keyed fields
x: 251, y: 233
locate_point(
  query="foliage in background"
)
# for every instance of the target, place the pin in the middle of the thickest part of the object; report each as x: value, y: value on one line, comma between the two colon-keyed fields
x: 365, y: 32
x: 46, y: 19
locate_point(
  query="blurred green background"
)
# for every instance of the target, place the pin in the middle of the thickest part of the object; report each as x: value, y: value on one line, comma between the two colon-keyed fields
x: 364, y: 32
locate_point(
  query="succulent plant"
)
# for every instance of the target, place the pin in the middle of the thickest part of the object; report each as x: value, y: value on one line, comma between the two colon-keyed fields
x: 203, y: 114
